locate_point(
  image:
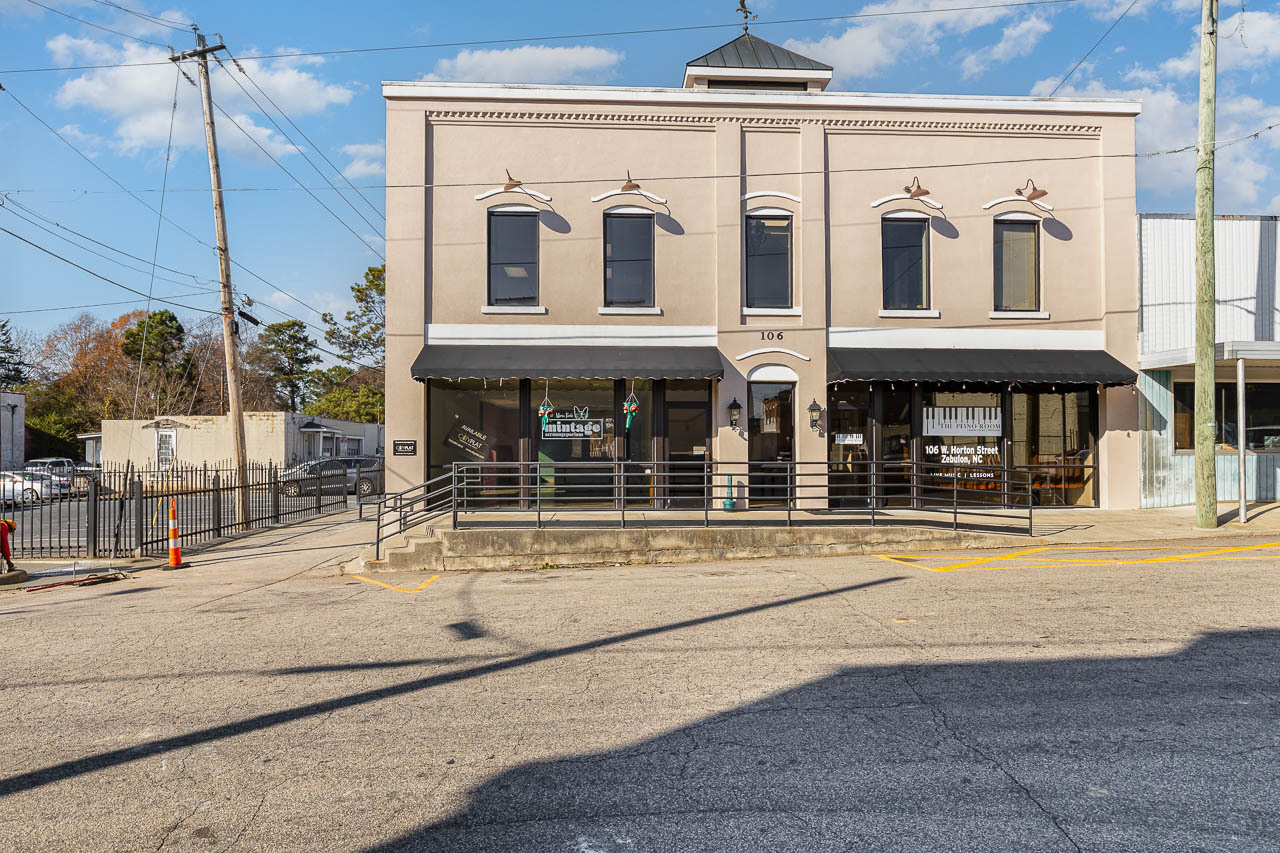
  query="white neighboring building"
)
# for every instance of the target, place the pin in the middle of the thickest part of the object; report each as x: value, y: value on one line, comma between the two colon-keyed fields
x: 13, y: 430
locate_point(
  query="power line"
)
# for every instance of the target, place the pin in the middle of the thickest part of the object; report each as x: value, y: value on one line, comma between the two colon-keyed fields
x: 1253, y: 134
x: 92, y: 24
x: 1089, y: 53
x: 6, y: 201
x: 296, y: 146
x: 108, y: 258
x: 566, y: 37
x: 165, y: 22
x: 315, y: 147
x: 82, y: 307
x: 295, y: 178
x: 140, y: 201
x: 99, y: 275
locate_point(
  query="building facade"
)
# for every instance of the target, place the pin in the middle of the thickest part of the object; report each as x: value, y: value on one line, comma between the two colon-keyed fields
x: 760, y: 270
x: 279, y: 438
x: 1247, y: 325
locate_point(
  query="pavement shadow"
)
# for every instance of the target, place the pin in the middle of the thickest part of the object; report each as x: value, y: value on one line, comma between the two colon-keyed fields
x: 1128, y: 753
x: 113, y: 758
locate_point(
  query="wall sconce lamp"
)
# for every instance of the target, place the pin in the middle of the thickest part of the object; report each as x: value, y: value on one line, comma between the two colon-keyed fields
x: 629, y: 186
x: 815, y: 414
x: 735, y: 413
x: 914, y: 190
x: 1034, y: 193
x: 512, y: 183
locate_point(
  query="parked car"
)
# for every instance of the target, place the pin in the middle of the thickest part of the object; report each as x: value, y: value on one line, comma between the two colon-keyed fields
x: 364, y: 475
x: 60, y: 466
x: 30, y: 486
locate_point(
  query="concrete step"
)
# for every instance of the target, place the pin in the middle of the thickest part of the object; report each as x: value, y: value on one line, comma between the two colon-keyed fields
x: 502, y: 549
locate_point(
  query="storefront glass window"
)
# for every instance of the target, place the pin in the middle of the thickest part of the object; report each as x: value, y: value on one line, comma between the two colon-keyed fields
x: 1262, y: 416
x: 1052, y: 442
x: 963, y: 434
x: 848, y: 444
x: 471, y: 421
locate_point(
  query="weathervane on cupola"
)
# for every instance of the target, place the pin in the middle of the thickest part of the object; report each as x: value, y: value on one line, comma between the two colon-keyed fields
x: 747, y: 17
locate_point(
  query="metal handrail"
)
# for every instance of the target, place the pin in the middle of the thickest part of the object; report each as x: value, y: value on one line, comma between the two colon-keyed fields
x: 407, y: 510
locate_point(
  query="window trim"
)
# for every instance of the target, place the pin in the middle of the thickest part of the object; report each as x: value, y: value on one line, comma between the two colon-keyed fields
x: 512, y: 210
x: 927, y: 310
x: 173, y: 444
x: 770, y: 213
x: 1037, y: 311
x: 629, y: 212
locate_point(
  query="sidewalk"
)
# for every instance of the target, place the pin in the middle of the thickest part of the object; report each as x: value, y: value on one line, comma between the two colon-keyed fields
x: 314, y: 547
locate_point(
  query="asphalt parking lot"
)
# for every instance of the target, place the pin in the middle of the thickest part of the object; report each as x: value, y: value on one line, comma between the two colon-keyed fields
x: 1064, y: 698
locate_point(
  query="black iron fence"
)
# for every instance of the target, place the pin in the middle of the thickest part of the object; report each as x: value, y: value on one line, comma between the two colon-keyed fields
x: 536, y: 494
x: 125, y: 511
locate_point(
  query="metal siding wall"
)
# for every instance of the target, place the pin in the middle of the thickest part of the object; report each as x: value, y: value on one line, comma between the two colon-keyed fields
x: 1246, y: 280
x: 1156, y: 461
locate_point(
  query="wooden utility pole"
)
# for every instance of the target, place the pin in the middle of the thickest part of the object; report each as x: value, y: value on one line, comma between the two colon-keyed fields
x: 1205, y: 431
x: 230, y: 342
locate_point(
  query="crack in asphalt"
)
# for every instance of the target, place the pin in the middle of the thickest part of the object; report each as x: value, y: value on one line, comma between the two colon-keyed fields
x: 940, y: 718
x: 164, y: 839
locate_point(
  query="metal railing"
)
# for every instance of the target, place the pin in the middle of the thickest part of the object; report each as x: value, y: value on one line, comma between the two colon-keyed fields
x: 528, y: 493
x: 122, y: 513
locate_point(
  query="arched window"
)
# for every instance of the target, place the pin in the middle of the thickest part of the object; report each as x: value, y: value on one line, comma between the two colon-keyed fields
x: 628, y: 257
x: 904, y: 260
x: 1016, y: 262
x: 513, y: 255
x: 768, y: 239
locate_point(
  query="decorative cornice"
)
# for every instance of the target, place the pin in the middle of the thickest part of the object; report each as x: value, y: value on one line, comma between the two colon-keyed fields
x: 872, y: 125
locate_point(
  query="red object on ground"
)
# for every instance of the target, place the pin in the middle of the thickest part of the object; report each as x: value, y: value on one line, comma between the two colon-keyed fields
x: 4, y: 542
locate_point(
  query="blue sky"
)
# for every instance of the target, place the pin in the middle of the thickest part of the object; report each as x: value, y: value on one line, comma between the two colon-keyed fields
x: 120, y: 117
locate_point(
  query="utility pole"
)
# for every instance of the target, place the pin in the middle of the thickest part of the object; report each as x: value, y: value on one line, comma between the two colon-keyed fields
x: 1205, y: 432
x: 230, y: 343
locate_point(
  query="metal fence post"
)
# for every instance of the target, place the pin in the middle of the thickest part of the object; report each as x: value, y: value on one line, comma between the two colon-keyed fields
x: 453, y: 496
x: 91, y: 518
x: 620, y: 482
x: 708, y: 491
x: 137, y: 518
x: 955, y: 497
x: 791, y: 489
x: 319, y: 488
x: 275, y: 501
x: 217, y: 504
x: 537, y: 490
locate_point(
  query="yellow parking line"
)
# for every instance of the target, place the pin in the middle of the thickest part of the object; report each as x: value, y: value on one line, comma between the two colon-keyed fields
x: 423, y: 586
x: 981, y: 560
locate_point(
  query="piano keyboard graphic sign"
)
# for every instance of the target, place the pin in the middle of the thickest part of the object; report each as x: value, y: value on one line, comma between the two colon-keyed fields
x: 963, y: 420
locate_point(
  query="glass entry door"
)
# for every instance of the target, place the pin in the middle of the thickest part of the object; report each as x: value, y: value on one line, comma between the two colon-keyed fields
x: 770, y: 440
x: 688, y: 425
x: 895, y: 447
x: 848, y: 446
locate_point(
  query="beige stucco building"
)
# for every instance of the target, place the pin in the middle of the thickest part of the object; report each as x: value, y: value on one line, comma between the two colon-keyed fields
x: 271, y: 438
x: 869, y: 277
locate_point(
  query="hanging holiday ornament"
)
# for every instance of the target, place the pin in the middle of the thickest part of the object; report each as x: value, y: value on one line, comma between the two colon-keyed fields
x: 545, y: 409
x: 630, y: 406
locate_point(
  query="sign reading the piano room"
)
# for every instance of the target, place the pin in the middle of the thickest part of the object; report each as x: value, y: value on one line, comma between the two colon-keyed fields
x: 962, y: 420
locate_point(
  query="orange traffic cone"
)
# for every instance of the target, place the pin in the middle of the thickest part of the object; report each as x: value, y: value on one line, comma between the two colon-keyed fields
x: 175, y: 551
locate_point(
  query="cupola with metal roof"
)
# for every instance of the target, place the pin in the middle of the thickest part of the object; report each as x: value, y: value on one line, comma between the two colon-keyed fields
x: 750, y: 62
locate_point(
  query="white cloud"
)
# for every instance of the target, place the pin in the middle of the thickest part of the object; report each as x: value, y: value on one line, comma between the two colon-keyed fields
x: 1243, y: 171
x: 1252, y: 45
x: 1019, y: 39
x: 530, y: 64
x: 86, y: 140
x: 367, y: 160
x: 138, y: 100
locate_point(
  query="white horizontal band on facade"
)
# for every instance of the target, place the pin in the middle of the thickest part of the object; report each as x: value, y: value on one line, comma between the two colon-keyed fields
x: 764, y: 350
x: 423, y: 89
x: 499, y: 190
x: 1223, y: 351
x: 934, y: 338
x: 494, y: 334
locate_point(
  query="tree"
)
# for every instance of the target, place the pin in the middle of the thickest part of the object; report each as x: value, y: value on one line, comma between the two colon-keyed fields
x: 352, y: 395
x: 14, y: 370
x: 156, y: 345
x: 283, y: 356
x: 363, y: 336
x: 165, y: 338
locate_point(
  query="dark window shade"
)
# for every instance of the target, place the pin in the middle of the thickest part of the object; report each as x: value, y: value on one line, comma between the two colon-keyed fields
x: 1017, y: 266
x: 904, y: 254
x: 768, y: 261
x: 513, y: 259
x: 628, y: 260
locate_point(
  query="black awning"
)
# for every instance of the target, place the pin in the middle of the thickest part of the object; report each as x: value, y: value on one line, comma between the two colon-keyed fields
x: 1064, y: 367
x: 573, y: 362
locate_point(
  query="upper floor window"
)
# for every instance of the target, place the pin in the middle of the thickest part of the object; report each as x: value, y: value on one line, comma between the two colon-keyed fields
x: 513, y: 257
x: 769, y: 259
x: 628, y: 259
x: 904, y: 261
x: 1017, y: 265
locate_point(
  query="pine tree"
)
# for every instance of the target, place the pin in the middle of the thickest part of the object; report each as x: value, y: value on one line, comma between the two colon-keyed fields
x: 13, y: 370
